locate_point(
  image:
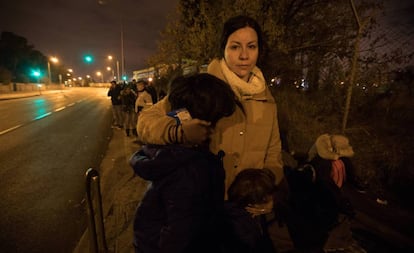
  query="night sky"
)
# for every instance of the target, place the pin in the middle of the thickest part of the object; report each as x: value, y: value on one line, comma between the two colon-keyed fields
x: 68, y: 29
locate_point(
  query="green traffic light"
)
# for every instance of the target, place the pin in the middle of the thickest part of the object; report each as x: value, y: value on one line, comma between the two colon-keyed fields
x: 88, y: 59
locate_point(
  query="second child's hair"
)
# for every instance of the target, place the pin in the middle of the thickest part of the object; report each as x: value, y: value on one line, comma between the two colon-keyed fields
x: 205, y: 97
x: 252, y: 186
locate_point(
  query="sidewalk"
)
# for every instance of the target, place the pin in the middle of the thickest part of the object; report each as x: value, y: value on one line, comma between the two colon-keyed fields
x: 23, y: 94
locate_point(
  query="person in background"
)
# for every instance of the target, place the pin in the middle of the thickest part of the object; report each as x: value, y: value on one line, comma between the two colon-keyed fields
x: 152, y: 91
x: 250, y: 136
x: 133, y: 85
x: 115, y: 93
x: 331, y: 154
x: 186, y: 193
x: 128, y: 97
x: 143, y: 101
x: 250, y: 198
x: 331, y: 157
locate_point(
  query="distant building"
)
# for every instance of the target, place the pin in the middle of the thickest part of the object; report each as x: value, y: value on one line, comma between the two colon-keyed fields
x: 188, y: 67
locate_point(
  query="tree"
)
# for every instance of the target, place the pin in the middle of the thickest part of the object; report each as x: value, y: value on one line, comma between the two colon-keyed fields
x: 17, y: 57
x: 301, y: 34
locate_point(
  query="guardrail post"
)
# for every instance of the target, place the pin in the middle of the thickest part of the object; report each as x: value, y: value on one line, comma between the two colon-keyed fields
x: 96, y: 225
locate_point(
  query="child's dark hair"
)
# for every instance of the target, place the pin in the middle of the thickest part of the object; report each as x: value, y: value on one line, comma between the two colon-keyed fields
x: 205, y: 97
x: 252, y: 186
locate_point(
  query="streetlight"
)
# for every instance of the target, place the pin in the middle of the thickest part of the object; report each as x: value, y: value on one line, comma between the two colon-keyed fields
x: 101, y: 75
x: 54, y: 60
x: 37, y: 74
x: 111, y: 69
x: 110, y: 58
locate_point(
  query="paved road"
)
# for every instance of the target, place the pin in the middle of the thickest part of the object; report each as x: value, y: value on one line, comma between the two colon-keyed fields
x: 46, y: 144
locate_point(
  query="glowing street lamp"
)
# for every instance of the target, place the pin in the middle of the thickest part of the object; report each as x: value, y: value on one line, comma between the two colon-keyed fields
x: 110, y: 58
x: 37, y: 74
x: 110, y: 69
x: 54, y: 60
x: 101, y: 75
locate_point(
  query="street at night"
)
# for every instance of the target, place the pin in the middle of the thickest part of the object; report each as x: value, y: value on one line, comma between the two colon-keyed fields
x: 321, y: 98
x: 47, y: 144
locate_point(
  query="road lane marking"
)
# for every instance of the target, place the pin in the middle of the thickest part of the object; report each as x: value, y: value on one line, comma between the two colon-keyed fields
x: 60, y: 109
x: 42, y: 116
x: 10, y: 129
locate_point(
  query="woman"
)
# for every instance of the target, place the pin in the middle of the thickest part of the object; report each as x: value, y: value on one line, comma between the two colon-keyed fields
x: 250, y: 136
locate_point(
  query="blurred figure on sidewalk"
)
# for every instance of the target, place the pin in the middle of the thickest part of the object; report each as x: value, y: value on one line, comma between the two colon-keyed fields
x: 115, y: 93
x: 128, y: 97
x: 149, y: 87
x: 144, y: 100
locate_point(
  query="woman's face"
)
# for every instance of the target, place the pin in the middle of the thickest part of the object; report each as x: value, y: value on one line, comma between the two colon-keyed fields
x: 241, y: 52
x: 140, y: 86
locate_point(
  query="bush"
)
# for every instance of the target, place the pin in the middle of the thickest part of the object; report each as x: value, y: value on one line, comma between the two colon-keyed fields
x: 379, y: 132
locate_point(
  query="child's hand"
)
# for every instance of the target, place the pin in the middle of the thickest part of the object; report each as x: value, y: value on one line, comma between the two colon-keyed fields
x: 259, y: 209
x: 196, y: 131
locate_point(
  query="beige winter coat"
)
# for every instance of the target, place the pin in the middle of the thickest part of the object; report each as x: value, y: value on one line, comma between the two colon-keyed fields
x: 144, y: 100
x: 249, y: 140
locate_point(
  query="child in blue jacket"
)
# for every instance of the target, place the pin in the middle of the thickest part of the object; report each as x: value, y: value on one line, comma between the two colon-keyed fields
x: 186, y: 194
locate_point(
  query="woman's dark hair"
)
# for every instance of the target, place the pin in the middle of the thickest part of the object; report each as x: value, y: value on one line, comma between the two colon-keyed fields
x: 235, y: 23
x: 205, y: 97
x: 251, y: 186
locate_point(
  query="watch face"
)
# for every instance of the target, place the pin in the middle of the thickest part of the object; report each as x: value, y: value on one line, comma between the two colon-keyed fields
x: 180, y: 115
x: 183, y: 115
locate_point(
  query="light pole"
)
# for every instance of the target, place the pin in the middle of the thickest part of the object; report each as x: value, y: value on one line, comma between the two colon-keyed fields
x: 118, y: 7
x: 54, y: 60
x: 122, y: 48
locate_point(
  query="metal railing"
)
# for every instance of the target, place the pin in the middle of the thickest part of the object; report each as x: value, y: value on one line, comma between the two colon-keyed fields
x: 96, y: 224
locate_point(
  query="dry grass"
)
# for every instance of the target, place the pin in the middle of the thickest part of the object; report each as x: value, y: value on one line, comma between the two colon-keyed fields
x: 379, y: 131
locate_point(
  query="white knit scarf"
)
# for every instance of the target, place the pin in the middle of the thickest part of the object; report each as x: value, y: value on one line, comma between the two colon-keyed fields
x: 242, y: 88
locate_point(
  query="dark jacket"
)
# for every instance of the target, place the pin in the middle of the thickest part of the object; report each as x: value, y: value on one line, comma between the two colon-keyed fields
x: 242, y: 233
x: 128, y: 101
x: 314, y: 203
x: 153, y: 92
x: 178, y: 209
x: 115, y: 94
x: 323, y: 169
